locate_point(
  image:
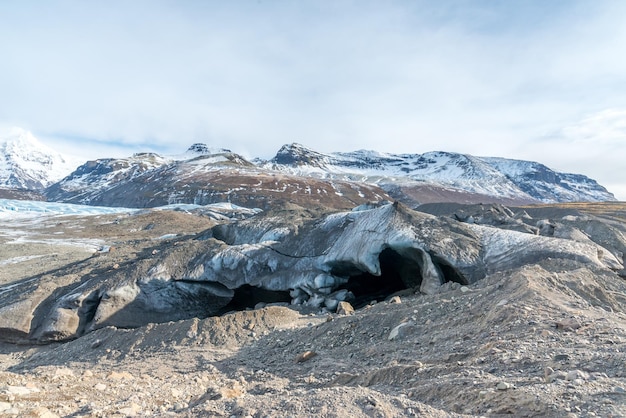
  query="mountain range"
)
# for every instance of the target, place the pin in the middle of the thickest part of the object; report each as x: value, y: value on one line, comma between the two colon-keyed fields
x: 296, y: 174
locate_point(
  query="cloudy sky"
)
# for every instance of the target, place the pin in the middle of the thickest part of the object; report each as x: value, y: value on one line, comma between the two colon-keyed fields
x: 532, y: 79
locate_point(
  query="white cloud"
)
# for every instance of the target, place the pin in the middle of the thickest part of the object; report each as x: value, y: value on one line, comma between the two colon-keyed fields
x: 604, y: 128
x: 595, y: 146
x: 480, y: 77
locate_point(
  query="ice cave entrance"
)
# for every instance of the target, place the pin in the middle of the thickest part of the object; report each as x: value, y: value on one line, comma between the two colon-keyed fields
x: 400, y: 270
x: 247, y: 297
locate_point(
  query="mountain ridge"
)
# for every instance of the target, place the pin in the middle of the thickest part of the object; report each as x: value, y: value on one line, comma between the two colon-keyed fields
x: 490, y: 176
x: 195, y: 175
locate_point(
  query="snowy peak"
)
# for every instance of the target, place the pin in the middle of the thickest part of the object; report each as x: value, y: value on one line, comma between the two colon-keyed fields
x: 298, y: 155
x: 26, y: 163
x: 500, y: 178
x: 198, y: 150
x: 203, y: 149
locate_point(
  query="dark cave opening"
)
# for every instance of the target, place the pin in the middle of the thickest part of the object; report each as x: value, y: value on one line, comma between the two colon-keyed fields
x: 400, y: 270
x: 450, y: 274
x: 247, y: 297
x: 397, y: 273
x: 88, y: 310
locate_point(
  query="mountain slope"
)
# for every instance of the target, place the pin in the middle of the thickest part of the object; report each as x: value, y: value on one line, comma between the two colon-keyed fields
x: 547, y: 185
x: 26, y: 163
x: 437, y: 174
x: 201, y: 176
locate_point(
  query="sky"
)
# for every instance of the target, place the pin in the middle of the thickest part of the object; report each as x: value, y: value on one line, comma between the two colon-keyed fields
x: 533, y: 79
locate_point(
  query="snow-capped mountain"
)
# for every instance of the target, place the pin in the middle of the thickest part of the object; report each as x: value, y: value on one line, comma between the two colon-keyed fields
x: 26, y: 163
x: 201, y: 175
x: 297, y: 174
x: 512, y: 180
x: 90, y: 178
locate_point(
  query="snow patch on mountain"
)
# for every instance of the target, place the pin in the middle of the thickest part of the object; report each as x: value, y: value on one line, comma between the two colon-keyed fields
x: 26, y: 163
x: 196, y: 150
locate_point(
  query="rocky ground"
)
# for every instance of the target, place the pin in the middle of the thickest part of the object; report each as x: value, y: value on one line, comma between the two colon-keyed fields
x: 547, y: 339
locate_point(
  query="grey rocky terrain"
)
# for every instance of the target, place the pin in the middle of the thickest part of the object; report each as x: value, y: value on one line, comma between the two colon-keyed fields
x: 462, y: 311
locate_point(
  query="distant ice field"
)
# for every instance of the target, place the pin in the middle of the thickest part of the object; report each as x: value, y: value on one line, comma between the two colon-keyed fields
x: 11, y: 209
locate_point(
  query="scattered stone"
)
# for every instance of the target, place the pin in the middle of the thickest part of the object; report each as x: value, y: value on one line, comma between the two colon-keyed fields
x: 561, y: 357
x: 464, y: 289
x: 100, y: 387
x: 307, y: 355
x: 63, y: 372
x: 401, y: 331
x: 4, y: 406
x: 179, y: 406
x: 556, y: 375
x: 395, y: 299
x: 19, y: 390
x: 42, y: 412
x: 548, y: 371
x: 131, y: 411
x: 503, y: 386
x: 233, y: 391
x: 619, y: 389
x: 576, y: 374
x: 345, y: 308
x: 120, y: 376
x: 569, y: 324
